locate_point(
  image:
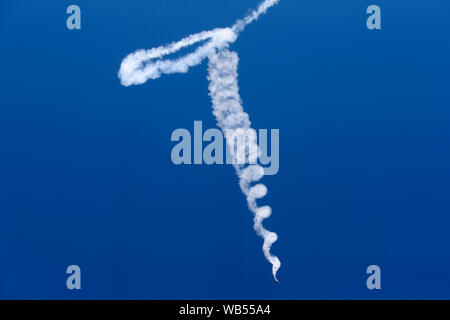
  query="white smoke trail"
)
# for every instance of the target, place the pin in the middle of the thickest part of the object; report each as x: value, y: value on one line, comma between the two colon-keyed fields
x: 254, y: 15
x: 142, y: 65
x: 231, y: 118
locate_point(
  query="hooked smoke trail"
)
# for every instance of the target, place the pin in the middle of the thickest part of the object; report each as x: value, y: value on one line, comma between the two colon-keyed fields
x: 142, y: 65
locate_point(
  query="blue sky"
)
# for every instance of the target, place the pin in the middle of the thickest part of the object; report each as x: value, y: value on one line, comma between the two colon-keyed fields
x: 86, y: 176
